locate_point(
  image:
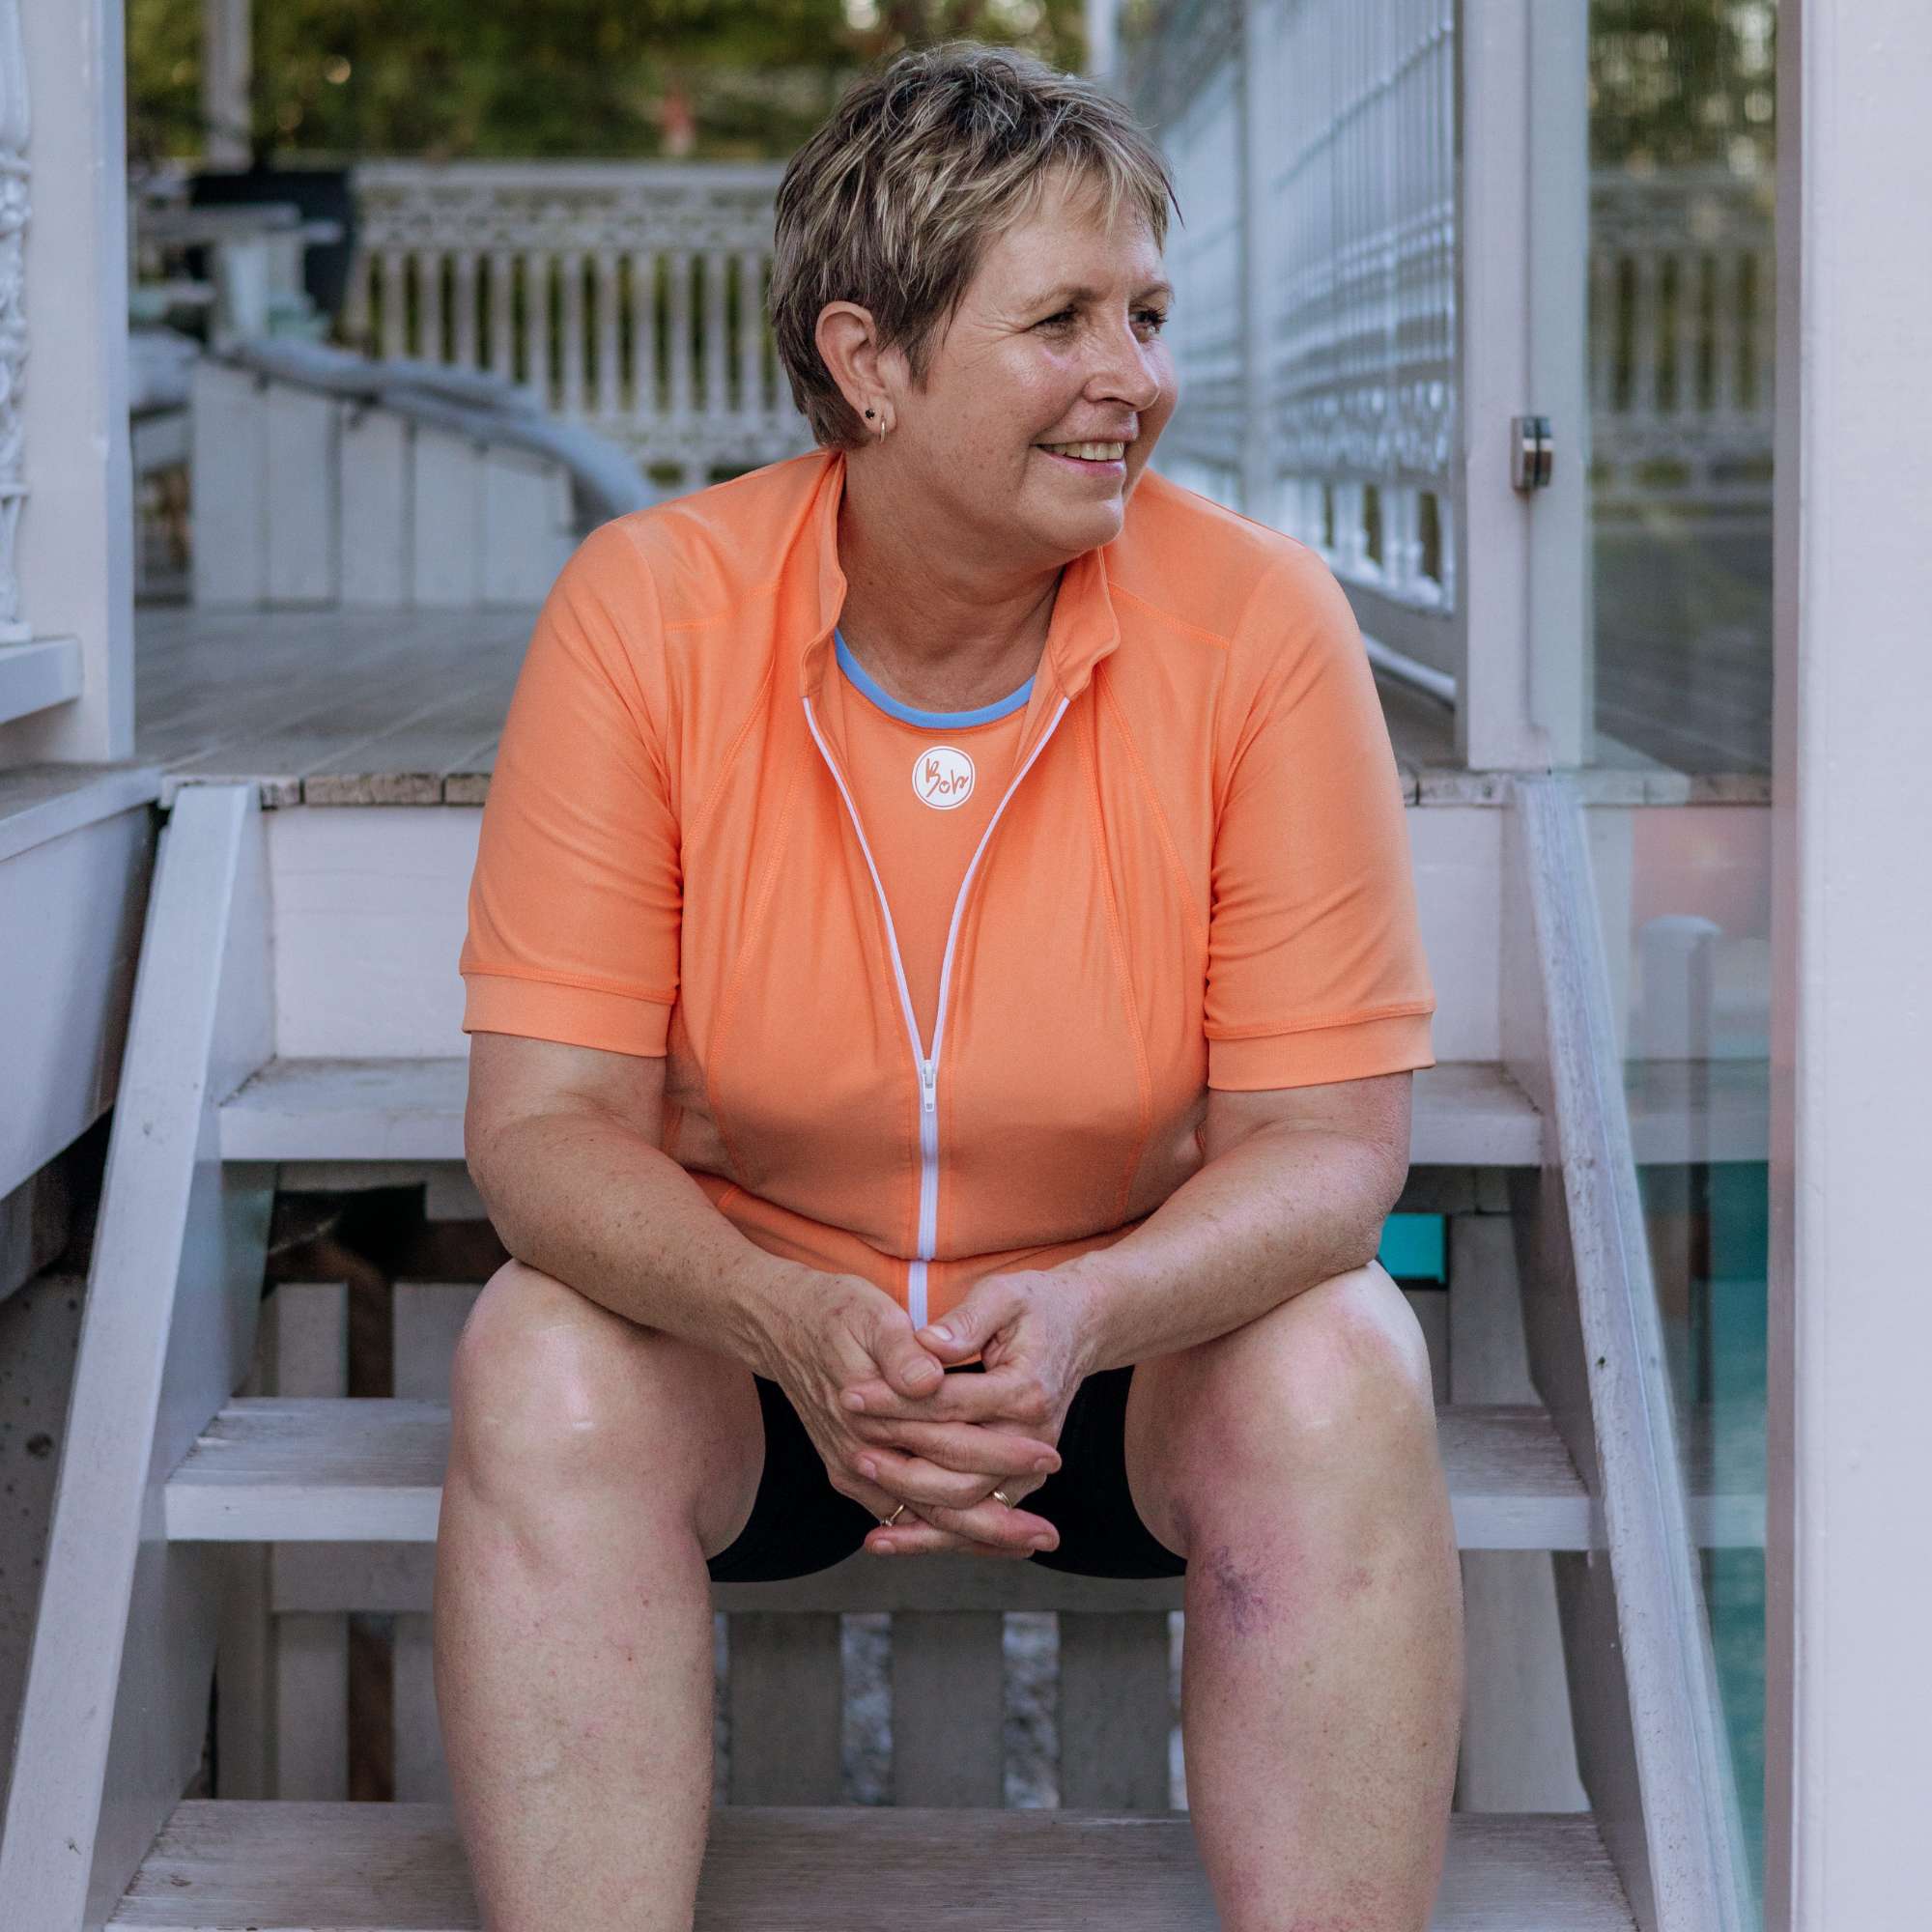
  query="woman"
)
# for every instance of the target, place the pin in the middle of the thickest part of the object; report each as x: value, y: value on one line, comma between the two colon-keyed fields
x: 944, y: 903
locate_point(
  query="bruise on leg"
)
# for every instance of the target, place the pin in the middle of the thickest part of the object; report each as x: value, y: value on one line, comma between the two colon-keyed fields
x: 1238, y: 1591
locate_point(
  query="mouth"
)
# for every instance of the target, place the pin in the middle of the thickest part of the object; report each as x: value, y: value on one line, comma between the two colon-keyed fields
x: 1099, y: 459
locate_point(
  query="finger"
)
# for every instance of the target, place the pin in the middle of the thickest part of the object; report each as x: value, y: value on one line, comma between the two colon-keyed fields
x: 924, y: 1483
x: 907, y: 1371
x: 992, y: 1522
x: 996, y: 1396
x: 867, y: 1494
x: 975, y: 1446
x: 970, y: 1324
x: 910, y: 1537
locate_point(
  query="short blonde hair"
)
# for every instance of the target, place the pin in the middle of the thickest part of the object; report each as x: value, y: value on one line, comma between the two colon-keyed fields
x: 891, y: 203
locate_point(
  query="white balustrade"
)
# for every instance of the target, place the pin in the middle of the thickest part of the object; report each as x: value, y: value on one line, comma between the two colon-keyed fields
x: 626, y: 295
x: 1331, y: 175
x: 1682, y: 324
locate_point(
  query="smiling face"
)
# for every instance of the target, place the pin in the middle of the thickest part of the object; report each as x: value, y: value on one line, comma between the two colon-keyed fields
x: 1045, y: 394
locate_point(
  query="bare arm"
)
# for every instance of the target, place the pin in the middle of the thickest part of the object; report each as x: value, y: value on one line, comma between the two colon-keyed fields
x: 1296, y: 1185
x: 562, y: 1144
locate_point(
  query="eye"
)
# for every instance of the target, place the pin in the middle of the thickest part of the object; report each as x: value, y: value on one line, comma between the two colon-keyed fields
x: 1153, y: 320
x: 1059, y: 320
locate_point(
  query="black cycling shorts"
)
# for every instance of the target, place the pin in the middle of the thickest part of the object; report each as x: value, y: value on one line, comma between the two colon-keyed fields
x: 799, y: 1522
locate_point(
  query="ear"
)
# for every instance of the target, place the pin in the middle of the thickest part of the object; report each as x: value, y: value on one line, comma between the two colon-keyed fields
x: 848, y: 341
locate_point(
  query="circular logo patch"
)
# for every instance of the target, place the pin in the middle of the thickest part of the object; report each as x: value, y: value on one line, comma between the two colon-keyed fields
x: 941, y: 775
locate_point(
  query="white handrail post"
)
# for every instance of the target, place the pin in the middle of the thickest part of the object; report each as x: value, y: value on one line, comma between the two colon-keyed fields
x: 67, y: 669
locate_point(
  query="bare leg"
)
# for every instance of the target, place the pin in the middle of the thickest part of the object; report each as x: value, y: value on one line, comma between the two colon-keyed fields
x: 594, y: 1466
x: 1293, y: 1464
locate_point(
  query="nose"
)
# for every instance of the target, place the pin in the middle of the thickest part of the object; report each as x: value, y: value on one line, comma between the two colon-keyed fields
x: 1127, y: 369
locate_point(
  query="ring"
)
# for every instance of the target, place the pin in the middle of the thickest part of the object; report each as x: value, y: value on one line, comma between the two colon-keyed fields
x: 1003, y: 1496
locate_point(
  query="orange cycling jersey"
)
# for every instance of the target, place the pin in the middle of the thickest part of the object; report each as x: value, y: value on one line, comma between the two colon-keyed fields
x: 916, y: 1053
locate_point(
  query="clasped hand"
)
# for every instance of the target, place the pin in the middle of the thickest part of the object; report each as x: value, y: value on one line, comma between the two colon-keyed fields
x: 893, y: 1428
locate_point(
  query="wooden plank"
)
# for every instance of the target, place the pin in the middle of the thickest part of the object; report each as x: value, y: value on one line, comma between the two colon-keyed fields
x: 223, y: 679
x: 230, y: 484
x: 1518, y: 1752
x: 279, y: 1469
x: 304, y: 507
x: 526, y: 525
x: 404, y: 763
x: 311, y: 1649
x: 40, y: 803
x: 395, y: 1577
x: 312, y: 1696
x: 859, y: 1869
x: 1642, y: 1677
x: 446, y: 516
x: 348, y: 1110
x: 1116, y: 1712
x: 301, y: 1348
x: 420, y: 1775
x: 1698, y: 1110
x: 324, y: 730
x: 1472, y: 1114
x: 40, y: 1336
x: 114, y: 1715
x: 1467, y: 1113
x: 428, y: 1317
x: 787, y: 1709
x: 244, y: 1678
x: 371, y: 1469
x: 949, y: 1670
x: 70, y: 910
x: 378, y: 560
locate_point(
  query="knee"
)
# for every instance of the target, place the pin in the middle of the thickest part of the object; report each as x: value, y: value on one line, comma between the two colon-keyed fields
x: 1336, y: 1377
x: 550, y: 1392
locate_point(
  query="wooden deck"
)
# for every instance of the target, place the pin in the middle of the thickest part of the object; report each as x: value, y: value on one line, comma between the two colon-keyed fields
x: 404, y: 707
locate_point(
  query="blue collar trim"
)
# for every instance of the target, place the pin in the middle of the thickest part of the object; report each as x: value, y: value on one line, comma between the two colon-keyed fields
x: 932, y: 721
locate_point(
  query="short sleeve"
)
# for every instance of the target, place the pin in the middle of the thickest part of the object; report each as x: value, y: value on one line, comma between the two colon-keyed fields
x: 574, y: 901
x: 1315, y: 969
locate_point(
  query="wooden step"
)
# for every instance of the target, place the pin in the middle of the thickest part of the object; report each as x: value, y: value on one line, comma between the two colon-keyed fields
x: 1468, y: 1113
x: 369, y: 1470
x: 303, y: 1867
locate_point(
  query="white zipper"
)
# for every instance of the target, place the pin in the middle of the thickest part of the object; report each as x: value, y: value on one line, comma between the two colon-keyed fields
x: 928, y: 1063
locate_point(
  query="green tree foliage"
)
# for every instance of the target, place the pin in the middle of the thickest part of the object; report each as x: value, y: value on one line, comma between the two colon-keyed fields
x: 1682, y: 83
x: 712, y: 78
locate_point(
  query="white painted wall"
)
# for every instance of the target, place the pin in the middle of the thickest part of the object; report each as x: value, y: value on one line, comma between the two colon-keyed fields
x: 1849, y: 1551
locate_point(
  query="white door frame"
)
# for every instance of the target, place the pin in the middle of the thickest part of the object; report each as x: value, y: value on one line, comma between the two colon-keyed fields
x: 1524, y: 220
x: 1848, y: 1561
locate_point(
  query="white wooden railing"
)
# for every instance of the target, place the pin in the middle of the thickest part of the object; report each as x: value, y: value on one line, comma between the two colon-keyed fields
x: 1683, y: 340
x: 630, y: 296
x: 627, y: 294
